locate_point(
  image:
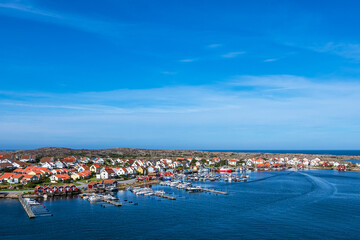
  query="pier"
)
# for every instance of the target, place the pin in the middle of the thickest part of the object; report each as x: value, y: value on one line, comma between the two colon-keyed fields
x: 214, y: 191
x: 164, y: 196
x: 26, y: 207
x: 117, y: 204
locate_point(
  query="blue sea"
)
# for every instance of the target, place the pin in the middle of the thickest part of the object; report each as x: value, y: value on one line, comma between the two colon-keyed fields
x: 309, y: 204
x: 331, y: 152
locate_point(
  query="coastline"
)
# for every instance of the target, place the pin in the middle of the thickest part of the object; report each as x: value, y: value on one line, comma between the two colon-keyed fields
x: 161, y: 153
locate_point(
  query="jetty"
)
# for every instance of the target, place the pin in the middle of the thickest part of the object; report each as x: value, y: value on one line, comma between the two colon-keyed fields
x: 164, y: 196
x: 214, y: 191
x: 26, y: 207
x: 117, y: 204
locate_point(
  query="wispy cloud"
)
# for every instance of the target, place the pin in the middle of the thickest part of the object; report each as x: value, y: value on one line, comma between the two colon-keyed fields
x: 232, y: 54
x: 271, y: 60
x: 187, y: 60
x: 28, y: 9
x: 169, y: 73
x: 214, y: 45
x: 343, y: 49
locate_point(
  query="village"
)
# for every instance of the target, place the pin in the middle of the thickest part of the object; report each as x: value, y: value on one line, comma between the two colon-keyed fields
x: 19, y: 172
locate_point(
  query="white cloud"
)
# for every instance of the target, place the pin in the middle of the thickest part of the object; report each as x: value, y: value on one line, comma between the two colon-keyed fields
x: 26, y: 9
x: 187, y: 60
x: 270, y: 60
x: 346, y: 50
x: 215, y: 45
x: 232, y: 54
x: 169, y: 73
x: 261, y: 107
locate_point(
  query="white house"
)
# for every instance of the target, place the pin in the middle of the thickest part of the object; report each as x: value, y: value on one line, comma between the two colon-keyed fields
x: 107, y: 173
x: 122, y: 171
x: 59, y: 164
x: 49, y: 165
x: 99, y: 161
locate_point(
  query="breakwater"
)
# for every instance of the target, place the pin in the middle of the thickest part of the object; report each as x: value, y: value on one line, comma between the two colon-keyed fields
x: 26, y: 207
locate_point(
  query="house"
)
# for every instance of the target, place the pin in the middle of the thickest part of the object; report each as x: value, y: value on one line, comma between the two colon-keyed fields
x: 151, y: 169
x: 75, y: 176
x: 15, y: 178
x: 6, y: 165
x: 49, y: 165
x: 6, y: 177
x: 59, y: 164
x: 130, y: 170
x: 84, y: 160
x: 110, y: 183
x: 9, y: 156
x: 95, y: 168
x: 107, y: 173
x: 29, y: 178
x: 47, y: 159
x: 81, y: 175
x: 112, y: 161
x: 141, y: 170
x: 18, y: 164
x: 232, y: 162
x: 83, y: 168
x: 59, y: 171
x: 122, y: 171
x: 59, y: 178
x: 26, y: 158
x: 93, y: 184
x: 99, y: 160
x: 69, y: 161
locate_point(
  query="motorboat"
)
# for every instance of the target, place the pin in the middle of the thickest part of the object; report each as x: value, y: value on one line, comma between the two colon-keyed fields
x: 224, y: 170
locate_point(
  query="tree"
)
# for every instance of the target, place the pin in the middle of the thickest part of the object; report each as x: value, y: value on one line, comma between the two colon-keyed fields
x: 37, y: 159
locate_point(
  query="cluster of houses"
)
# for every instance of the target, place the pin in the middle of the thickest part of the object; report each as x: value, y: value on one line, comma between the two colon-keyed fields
x: 291, y: 162
x: 56, y: 190
x: 22, y: 169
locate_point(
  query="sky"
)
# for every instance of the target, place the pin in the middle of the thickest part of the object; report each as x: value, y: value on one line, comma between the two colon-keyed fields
x: 180, y: 74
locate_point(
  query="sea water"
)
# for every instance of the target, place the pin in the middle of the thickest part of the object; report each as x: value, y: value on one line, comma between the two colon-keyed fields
x: 308, y: 204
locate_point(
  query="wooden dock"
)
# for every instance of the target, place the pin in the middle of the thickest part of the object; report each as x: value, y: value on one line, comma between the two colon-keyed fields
x: 164, y: 196
x: 214, y: 191
x: 117, y: 204
x: 26, y: 207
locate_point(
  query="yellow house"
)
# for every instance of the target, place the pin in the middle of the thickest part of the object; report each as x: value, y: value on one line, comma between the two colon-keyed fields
x: 140, y: 170
x: 75, y: 176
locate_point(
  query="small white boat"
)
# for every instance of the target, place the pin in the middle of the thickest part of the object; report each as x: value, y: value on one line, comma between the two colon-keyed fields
x: 94, y: 199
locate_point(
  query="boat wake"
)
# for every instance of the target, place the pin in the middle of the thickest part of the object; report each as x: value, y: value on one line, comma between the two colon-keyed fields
x: 321, y: 188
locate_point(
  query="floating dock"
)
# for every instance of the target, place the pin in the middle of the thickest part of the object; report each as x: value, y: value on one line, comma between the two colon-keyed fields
x: 26, y: 207
x: 164, y: 196
x: 117, y: 204
x: 214, y: 191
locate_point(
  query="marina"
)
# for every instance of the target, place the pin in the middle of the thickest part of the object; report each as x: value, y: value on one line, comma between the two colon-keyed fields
x: 26, y: 207
x: 33, y: 208
x: 290, y: 197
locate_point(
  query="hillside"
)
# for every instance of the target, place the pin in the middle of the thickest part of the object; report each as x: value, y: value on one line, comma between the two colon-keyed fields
x: 158, y: 153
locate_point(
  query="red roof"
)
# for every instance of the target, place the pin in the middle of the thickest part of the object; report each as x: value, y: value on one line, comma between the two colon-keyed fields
x: 6, y: 175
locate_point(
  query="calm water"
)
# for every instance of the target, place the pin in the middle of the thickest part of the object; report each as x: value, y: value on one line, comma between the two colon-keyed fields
x: 273, y: 205
x: 331, y: 152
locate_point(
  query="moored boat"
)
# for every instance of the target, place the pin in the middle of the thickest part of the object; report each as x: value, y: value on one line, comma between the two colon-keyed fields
x: 224, y: 170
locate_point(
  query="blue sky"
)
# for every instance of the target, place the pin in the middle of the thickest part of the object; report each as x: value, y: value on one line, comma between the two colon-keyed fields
x: 180, y: 74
